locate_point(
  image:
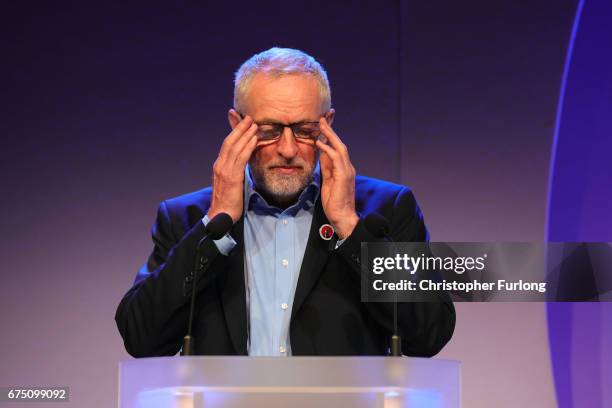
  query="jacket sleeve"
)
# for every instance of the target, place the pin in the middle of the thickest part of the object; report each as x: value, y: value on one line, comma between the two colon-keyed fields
x: 152, y: 316
x: 425, y: 327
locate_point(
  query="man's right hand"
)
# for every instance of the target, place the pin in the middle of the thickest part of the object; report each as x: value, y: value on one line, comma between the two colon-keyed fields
x: 228, y: 170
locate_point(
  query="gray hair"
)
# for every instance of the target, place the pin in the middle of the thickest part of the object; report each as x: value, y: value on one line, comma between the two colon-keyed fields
x: 277, y: 62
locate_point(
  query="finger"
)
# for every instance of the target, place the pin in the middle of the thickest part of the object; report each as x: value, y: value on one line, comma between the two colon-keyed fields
x: 326, y: 164
x: 339, y: 166
x: 241, y: 127
x: 333, y: 138
x: 335, y: 158
x: 240, y: 143
x: 236, y: 133
x: 244, y: 156
x: 340, y: 159
x: 229, y: 153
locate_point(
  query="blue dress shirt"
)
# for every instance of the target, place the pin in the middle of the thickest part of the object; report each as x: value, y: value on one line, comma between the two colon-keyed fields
x: 274, y: 243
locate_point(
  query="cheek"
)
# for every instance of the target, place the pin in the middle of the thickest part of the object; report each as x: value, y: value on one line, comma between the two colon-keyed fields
x: 308, y: 153
x: 262, y: 154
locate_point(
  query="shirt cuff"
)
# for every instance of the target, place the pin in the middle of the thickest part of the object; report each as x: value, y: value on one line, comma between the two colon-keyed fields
x: 226, y: 243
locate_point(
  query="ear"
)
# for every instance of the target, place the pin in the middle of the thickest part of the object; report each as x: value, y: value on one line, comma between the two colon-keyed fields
x: 329, y: 116
x: 233, y: 117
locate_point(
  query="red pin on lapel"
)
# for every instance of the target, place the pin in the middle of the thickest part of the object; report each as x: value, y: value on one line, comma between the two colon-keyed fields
x: 326, y: 232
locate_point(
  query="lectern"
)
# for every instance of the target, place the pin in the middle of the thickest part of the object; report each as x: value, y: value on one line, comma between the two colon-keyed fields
x: 295, y: 382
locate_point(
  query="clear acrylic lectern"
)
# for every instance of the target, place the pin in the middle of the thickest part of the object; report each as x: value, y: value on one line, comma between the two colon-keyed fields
x: 295, y: 382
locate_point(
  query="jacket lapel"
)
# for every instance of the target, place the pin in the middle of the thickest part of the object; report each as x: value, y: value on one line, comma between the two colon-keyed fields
x: 315, y: 257
x: 233, y: 294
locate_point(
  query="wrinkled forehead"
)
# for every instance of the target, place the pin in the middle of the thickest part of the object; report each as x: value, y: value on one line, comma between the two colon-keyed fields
x: 286, y: 99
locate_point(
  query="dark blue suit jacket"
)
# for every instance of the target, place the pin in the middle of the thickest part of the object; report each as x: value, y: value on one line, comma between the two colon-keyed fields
x: 327, y: 318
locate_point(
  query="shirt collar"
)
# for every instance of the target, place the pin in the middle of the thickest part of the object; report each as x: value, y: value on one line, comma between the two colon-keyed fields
x: 255, y: 202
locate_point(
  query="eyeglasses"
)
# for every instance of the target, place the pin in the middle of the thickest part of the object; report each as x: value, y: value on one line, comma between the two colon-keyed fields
x: 303, y: 131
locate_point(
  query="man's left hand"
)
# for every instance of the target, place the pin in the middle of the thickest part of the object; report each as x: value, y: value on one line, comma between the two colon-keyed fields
x: 338, y: 182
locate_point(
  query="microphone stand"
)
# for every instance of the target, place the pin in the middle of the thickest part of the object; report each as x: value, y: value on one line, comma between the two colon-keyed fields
x: 200, y: 263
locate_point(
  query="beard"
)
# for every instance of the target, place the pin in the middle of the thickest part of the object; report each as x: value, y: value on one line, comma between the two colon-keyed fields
x: 278, y: 188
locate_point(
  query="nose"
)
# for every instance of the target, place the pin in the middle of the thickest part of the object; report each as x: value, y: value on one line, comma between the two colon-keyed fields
x: 287, y: 145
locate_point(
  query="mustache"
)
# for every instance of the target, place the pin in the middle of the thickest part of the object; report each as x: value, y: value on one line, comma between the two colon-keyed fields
x: 290, y: 163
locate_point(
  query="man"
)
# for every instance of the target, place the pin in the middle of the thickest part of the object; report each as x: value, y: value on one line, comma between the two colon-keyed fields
x: 286, y: 279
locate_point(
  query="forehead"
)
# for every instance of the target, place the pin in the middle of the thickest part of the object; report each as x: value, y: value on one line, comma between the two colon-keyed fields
x: 288, y: 98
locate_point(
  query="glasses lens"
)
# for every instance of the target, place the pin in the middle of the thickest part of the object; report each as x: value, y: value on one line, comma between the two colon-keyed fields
x: 269, y: 132
x: 307, y: 131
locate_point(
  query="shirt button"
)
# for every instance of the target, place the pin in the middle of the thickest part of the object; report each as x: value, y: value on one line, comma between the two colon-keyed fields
x: 282, y: 350
x: 285, y: 221
x: 284, y: 306
x: 285, y: 262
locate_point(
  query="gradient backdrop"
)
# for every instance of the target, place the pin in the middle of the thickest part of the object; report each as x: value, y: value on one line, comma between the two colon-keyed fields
x: 496, y: 113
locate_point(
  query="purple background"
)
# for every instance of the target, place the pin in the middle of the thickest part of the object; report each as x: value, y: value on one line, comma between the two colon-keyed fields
x: 580, y: 204
x: 110, y: 109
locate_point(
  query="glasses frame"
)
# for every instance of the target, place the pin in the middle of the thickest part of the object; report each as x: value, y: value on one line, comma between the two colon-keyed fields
x: 291, y: 126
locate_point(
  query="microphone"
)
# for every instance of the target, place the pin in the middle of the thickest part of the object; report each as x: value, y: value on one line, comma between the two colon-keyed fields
x: 379, y: 227
x: 215, y: 229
